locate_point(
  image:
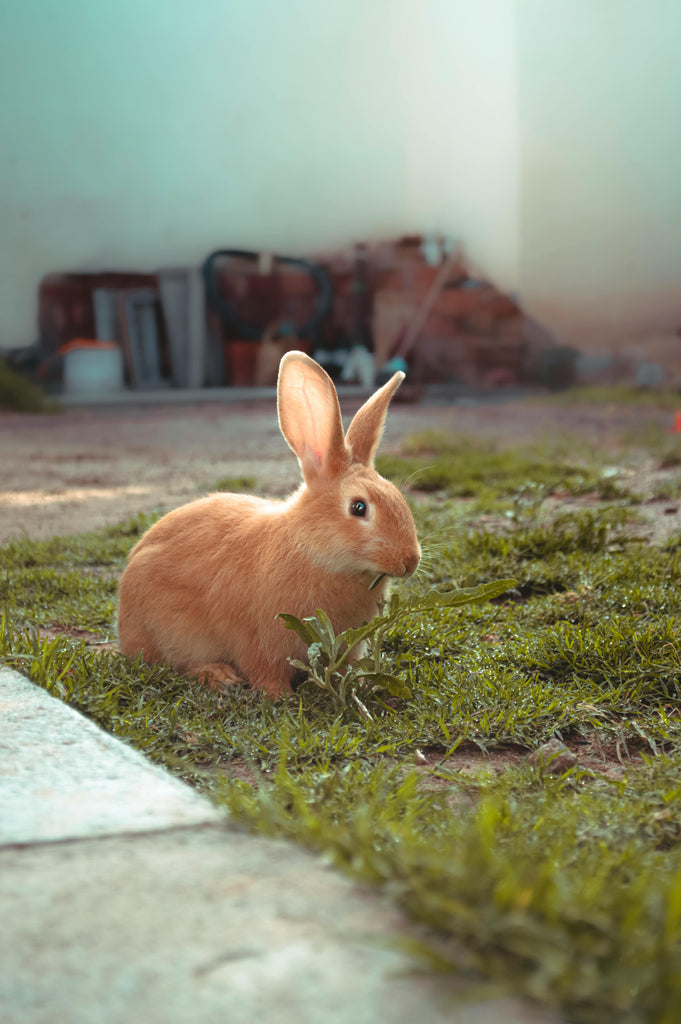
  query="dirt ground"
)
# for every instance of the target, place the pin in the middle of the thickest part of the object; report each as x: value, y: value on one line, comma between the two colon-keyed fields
x: 86, y: 468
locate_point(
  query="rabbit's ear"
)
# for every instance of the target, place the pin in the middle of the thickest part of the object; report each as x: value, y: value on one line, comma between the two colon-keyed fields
x: 365, y: 431
x: 310, y: 417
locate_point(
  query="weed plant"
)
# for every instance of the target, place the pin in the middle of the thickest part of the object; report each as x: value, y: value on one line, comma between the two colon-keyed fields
x: 562, y: 888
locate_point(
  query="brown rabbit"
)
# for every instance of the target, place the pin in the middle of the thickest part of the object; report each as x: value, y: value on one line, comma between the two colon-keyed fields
x: 203, y: 587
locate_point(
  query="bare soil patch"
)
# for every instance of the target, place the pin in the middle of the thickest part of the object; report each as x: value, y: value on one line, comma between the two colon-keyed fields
x: 87, y: 468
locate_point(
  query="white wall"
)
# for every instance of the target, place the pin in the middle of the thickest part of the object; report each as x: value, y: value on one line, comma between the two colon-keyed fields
x: 461, y: 141
x: 145, y: 132
x: 544, y: 134
x: 600, y: 148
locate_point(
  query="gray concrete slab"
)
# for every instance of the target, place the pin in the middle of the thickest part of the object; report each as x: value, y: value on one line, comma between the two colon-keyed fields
x: 153, y: 908
x: 62, y: 778
x: 207, y: 926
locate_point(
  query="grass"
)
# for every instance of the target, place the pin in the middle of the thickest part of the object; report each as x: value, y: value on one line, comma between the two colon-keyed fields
x: 613, y: 395
x: 234, y: 483
x: 464, y: 467
x: 18, y: 394
x: 563, y: 888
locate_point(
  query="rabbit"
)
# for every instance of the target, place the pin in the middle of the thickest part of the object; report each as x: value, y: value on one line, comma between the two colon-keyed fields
x: 204, y: 585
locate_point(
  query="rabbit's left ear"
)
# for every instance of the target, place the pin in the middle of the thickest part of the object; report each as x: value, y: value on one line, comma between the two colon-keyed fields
x: 310, y: 417
x: 365, y: 432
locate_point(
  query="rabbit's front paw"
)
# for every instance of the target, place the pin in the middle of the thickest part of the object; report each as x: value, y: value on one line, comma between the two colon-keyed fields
x: 218, y: 675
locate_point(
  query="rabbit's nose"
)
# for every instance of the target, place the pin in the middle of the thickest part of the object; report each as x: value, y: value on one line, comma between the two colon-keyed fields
x: 411, y: 562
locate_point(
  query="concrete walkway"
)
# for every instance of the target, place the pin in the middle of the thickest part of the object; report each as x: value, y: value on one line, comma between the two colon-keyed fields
x: 125, y: 897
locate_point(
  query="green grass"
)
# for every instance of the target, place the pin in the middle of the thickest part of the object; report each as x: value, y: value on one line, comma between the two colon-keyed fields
x: 464, y: 467
x: 234, y: 484
x: 612, y: 395
x: 565, y: 889
x: 18, y: 394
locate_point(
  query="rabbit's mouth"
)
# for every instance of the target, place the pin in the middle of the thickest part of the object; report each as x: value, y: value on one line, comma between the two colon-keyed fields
x: 377, y: 579
x: 407, y: 570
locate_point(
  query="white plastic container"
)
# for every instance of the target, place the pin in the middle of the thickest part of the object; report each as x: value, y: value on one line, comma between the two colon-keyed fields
x: 92, y: 367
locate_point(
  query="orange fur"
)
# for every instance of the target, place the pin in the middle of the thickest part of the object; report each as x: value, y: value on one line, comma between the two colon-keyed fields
x: 203, y: 586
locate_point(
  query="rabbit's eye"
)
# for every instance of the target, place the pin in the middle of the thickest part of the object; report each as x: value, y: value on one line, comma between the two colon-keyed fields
x: 358, y: 508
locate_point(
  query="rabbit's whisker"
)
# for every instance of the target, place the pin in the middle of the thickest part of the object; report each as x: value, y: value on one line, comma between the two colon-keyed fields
x: 416, y: 474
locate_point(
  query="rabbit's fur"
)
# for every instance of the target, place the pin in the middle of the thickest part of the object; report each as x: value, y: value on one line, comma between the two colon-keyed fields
x: 203, y: 586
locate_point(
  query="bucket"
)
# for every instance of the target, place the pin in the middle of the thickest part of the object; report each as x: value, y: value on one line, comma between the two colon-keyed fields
x: 92, y: 367
x: 242, y: 359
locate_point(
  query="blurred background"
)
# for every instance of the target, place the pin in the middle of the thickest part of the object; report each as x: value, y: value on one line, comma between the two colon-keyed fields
x: 489, y: 191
